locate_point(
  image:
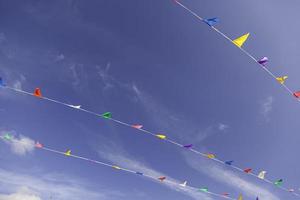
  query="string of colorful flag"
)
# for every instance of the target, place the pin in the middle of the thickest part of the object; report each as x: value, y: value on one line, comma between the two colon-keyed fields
x: 189, y: 147
x: 162, y: 179
x: 239, y: 42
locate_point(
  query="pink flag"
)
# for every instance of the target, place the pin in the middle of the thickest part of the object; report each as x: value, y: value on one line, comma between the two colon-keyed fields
x: 137, y: 126
x: 38, y: 145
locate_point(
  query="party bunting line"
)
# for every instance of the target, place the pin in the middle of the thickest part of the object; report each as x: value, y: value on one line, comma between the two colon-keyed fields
x: 161, y: 179
x: 108, y: 116
x: 239, y: 42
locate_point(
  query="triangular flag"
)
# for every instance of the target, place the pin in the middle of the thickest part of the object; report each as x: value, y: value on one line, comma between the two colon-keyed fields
x: 76, y: 107
x: 107, y: 115
x: 205, y: 189
x: 281, y: 79
x: 37, y: 92
x: 278, y: 182
x: 7, y: 136
x: 211, y: 21
x: 263, y: 61
x: 262, y: 174
x: 291, y: 190
x: 188, y: 146
x: 161, y: 137
x: 162, y: 178
x: 248, y: 170
x: 116, y: 167
x: 297, y: 94
x: 240, y: 197
x: 139, y: 173
x: 241, y: 40
x: 68, y: 153
x: 38, y: 145
x: 183, y: 184
x: 225, y: 194
x: 137, y: 126
x: 210, y: 156
x: 229, y: 162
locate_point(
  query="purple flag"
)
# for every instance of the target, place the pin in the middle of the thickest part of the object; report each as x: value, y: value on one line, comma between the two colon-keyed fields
x: 263, y: 61
x: 188, y: 146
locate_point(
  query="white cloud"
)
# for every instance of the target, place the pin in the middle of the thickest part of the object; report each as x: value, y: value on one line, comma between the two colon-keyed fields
x: 20, y: 145
x: 22, y: 194
x: 230, y: 178
x: 266, y: 107
x: 43, y: 186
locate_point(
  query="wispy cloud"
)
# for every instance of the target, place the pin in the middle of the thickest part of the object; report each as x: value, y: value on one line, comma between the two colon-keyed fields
x: 44, y: 186
x: 119, y: 156
x: 2, y: 38
x: 20, y: 145
x: 168, y: 120
x: 108, y: 80
x: 266, y: 107
x: 230, y: 178
x: 59, y: 57
x: 223, y: 127
x: 17, y: 83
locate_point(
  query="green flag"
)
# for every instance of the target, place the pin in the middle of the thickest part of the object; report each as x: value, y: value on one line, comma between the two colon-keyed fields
x: 278, y: 182
x: 106, y: 115
x: 7, y: 137
x: 204, y: 189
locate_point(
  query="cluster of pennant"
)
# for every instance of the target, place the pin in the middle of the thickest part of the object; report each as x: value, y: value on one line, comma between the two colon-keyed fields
x: 108, y: 115
x: 68, y: 153
x: 239, y: 42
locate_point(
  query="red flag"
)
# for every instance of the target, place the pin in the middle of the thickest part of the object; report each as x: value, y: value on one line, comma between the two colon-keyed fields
x: 297, y: 94
x: 37, y: 92
x: 162, y: 178
x: 248, y: 170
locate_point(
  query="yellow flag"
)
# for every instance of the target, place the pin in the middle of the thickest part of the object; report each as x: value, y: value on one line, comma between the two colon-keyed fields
x: 281, y: 79
x: 161, y: 137
x: 211, y: 156
x: 240, y: 197
x: 241, y: 40
x: 68, y: 153
x: 116, y: 167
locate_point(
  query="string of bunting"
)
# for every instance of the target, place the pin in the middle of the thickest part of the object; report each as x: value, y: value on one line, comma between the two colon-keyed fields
x: 162, y: 179
x: 189, y: 147
x: 239, y: 42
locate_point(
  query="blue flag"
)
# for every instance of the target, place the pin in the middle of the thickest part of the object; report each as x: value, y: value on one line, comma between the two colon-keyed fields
x: 1, y: 82
x: 229, y: 162
x: 211, y: 21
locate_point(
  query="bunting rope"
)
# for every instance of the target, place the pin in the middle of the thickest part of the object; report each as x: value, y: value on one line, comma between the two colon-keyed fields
x: 239, y: 43
x: 261, y: 176
x: 161, y: 179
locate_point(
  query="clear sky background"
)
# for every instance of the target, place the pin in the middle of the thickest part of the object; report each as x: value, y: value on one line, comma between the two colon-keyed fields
x: 152, y: 63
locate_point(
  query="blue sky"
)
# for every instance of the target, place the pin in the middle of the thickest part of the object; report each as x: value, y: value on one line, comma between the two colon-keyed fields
x: 148, y: 62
